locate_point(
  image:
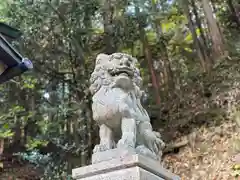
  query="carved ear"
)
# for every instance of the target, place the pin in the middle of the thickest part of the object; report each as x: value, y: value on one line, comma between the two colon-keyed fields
x: 101, y: 58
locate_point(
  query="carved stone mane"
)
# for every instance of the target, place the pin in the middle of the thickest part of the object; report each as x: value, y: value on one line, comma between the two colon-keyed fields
x: 101, y: 77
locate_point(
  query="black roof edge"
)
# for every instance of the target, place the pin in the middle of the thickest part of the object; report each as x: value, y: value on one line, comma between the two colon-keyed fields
x: 9, y: 31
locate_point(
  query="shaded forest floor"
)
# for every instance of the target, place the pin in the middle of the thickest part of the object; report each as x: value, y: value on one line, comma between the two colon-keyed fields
x: 210, y: 128
x: 210, y: 157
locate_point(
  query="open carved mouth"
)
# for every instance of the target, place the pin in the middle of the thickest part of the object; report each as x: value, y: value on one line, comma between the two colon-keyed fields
x: 122, y: 71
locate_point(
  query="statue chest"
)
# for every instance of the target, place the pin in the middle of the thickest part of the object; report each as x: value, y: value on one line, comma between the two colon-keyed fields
x: 114, y: 96
x: 113, y: 100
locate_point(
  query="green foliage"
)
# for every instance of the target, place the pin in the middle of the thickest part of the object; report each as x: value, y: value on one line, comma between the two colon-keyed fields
x: 3, y: 11
x: 29, y: 82
x: 5, y: 133
x: 8, y: 121
x: 35, y: 143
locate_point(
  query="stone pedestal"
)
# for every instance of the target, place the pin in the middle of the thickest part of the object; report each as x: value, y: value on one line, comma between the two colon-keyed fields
x: 122, y: 165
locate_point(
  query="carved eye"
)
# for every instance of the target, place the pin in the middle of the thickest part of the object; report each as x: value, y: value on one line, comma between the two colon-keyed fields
x: 111, y: 58
x: 117, y: 56
x: 98, y: 61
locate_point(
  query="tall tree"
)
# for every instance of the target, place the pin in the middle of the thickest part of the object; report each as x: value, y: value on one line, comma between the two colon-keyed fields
x: 200, y: 48
x: 199, y: 23
x: 110, y: 40
x: 168, y: 74
x: 216, y: 35
x: 234, y: 9
x: 147, y: 53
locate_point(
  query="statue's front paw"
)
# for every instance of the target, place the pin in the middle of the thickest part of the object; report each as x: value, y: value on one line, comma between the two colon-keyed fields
x: 127, y: 141
x: 141, y: 149
x: 161, y: 144
x: 154, y: 142
x: 158, y: 140
x: 122, y: 144
x: 97, y: 148
x: 102, y: 147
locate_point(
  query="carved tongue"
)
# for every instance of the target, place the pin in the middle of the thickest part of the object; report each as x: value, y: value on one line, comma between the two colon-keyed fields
x: 125, y: 74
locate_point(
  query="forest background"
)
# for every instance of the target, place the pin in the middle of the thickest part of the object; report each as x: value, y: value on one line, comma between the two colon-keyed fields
x: 189, y: 53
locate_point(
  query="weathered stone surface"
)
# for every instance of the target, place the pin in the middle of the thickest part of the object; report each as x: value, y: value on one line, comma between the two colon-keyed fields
x: 124, y: 123
x: 134, y: 173
x: 112, y: 154
x: 129, y: 167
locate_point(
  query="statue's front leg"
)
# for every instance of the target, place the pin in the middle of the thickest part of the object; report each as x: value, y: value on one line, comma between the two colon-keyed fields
x: 128, y: 139
x: 106, y: 139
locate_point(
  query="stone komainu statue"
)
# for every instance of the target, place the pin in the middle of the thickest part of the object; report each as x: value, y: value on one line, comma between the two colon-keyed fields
x: 123, y: 122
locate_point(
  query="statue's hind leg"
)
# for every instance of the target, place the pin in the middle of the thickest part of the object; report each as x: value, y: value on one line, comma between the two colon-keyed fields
x: 128, y: 139
x: 106, y: 139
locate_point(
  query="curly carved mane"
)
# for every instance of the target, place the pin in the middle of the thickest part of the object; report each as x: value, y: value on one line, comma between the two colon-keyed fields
x: 101, y: 78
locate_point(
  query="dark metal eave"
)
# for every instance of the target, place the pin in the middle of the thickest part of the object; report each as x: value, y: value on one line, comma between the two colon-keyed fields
x: 9, y: 31
x: 8, y: 54
x: 16, y: 64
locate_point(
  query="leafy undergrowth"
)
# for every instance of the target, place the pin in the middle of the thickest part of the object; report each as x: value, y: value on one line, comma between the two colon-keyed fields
x: 15, y: 168
x: 212, y: 155
x: 212, y: 131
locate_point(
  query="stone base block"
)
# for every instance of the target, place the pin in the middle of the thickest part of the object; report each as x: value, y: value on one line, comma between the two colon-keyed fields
x: 129, y: 167
x: 117, y: 153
